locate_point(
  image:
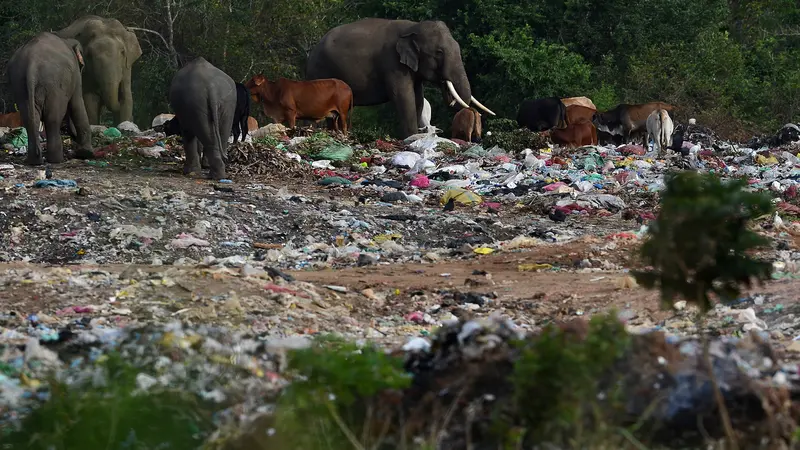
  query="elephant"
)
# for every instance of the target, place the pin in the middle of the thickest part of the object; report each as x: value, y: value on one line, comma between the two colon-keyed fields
x: 110, y: 49
x: 45, y: 78
x: 203, y: 99
x: 389, y: 60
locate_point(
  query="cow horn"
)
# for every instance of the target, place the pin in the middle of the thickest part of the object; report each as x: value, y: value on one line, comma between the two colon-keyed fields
x: 455, y: 94
x: 479, y: 105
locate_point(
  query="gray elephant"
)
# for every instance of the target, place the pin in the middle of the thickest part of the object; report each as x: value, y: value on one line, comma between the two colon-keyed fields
x: 110, y: 49
x: 45, y: 78
x: 389, y: 60
x: 204, y: 99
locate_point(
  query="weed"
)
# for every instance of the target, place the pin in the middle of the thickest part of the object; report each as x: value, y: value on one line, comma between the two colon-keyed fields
x: 114, y: 415
x: 270, y: 141
x: 447, y: 148
x: 335, y: 396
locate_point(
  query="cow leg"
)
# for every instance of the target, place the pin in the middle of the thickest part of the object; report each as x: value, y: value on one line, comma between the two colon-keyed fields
x: 236, y: 129
x: 243, y: 126
x: 291, y: 117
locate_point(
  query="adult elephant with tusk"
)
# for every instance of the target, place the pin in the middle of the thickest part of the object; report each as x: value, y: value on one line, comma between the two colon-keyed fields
x: 389, y: 60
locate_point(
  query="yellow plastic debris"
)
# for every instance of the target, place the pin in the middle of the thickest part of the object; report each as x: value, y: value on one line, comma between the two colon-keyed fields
x: 381, y: 238
x: 764, y: 161
x: 484, y: 250
x: 29, y: 382
x: 462, y: 196
x: 533, y: 267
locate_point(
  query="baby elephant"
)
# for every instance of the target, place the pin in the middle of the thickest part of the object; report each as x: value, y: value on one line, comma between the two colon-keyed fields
x: 467, y: 125
x: 45, y: 78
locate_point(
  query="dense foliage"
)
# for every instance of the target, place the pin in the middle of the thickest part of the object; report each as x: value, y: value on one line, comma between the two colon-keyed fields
x: 730, y: 63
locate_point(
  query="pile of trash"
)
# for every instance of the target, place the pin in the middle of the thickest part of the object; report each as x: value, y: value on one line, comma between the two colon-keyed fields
x: 662, y: 379
x: 465, y: 368
x: 249, y: 159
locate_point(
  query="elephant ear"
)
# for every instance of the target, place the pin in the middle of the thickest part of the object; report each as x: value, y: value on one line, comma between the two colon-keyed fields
x: 408, y: 51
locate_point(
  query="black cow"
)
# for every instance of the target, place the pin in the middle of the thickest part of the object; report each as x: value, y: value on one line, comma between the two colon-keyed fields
x: 607, y: 138
x: 542, y: 114
x: 241, y: 113
x: 172, y: 127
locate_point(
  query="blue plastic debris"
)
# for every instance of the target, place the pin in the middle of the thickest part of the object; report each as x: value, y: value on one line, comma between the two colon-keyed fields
x: 225, y: 181
x: 55, y: 183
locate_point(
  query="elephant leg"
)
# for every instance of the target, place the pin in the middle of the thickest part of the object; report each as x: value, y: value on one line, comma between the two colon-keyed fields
x: 91, y: 102
x: 405, y: 101
x: 31, y: 119
x: 79, y: 123
x: 125, y: 98
x: 214, y: 154
x: 54, y: 113
x: 192, y: 163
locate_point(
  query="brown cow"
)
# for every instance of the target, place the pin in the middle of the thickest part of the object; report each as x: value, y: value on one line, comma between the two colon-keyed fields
x: 289, y: 100
x: 467, y: 125
x: 11, y: 120
x: 575, y: 135
x: 578, y: 114
x: 581, y: 101
x: 627, y: 119
x: 252, y: 124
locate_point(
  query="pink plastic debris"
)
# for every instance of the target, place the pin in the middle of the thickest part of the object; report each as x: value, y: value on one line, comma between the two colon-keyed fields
x: 554, y: 186
x: 415, y: 317
x: 421, y: 181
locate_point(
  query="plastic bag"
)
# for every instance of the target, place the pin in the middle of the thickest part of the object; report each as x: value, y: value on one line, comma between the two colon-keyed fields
x: 111, y: 133
x: 335, y: 152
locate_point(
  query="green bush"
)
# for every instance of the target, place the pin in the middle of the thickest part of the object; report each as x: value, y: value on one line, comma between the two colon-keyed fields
x: 699, y: 244
x: 501, y: 125
x: 561, y: 381
x: 334, y: 399
x: 515, y: 141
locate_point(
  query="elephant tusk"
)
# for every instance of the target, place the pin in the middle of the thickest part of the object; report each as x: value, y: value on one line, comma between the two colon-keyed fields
x: 455, y: 94
x: 479, y: 105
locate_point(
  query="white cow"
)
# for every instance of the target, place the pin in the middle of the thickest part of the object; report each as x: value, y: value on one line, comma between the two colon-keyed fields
x: 660, y: 128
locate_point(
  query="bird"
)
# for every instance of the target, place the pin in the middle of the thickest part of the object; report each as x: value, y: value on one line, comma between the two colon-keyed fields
x: 48, y: 173
x: 450, y: 205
